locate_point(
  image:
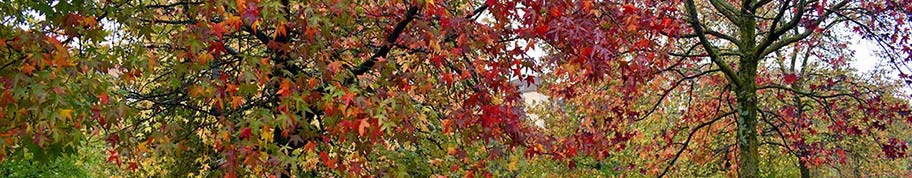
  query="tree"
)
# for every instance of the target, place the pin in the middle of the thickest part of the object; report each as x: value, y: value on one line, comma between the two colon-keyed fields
x: 732, y: 38
x: 255, y: 87
x: 53, y: 91
x: 221, y: 88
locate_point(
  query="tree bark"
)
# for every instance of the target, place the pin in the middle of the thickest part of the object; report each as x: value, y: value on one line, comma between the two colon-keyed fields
x: 747, y: 94
x: 747, y: 131
x: 805, y: 172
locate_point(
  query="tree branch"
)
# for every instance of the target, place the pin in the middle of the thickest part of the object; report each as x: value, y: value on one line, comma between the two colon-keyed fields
x: 676, y: 84
x: 812, y: 94
x: 726, y: 9
x: 687, y: 142
x: 767, y: 46
x: 710, y: 49
x: 173, y: 4
x: 390, y: 40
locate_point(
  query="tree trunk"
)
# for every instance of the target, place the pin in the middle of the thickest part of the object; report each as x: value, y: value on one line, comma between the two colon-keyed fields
x: 747, y: 97
x: 805, y: 172
x: 747, y: 131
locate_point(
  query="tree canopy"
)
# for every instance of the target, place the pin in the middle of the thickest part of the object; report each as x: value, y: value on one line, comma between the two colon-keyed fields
x: 317, y: 88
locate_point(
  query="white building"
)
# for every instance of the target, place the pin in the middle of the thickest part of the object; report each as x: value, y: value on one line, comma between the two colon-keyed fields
x: 531, y: 97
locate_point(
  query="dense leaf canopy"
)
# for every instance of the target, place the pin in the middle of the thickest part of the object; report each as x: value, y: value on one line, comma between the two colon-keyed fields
x: 293, y: 88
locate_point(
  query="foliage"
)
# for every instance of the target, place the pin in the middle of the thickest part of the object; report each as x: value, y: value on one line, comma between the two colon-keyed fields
x: 87, y: 161
x: 325, y: 88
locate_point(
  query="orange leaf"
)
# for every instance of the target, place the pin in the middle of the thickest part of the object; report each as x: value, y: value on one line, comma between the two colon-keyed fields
x: 237, y: 101
x: 285, y: 88
x: 231, y: 88
x: 280, y: 30
x: 310, y: 146
x: 234, y: 22
x: 334, y: 66
x: 195, y: 91
x: 362, y: 127
x: 27, y: 68
x: 90, y: 22
x: 312, y: 82
x: 448, y: 78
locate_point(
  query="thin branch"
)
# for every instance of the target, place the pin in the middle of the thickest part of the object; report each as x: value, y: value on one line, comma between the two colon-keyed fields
x: 812, y: 95
x: 687, y: 142
x: 666, y: 92
x: 723, y: 36
x: 171, y: 22
x: 768, y: 46
x: 184, y: 3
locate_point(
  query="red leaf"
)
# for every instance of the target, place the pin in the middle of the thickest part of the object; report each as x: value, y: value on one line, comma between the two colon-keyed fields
x: 218, y: 29
x: 216, y: 48
x: 541, y: 30
x: 490, y: 2
x: 788, y: 79
x: 331, y: 163
x: 448, y: 78
x: 103, y: 98
x: 245, y: 133
x: 133, y: 166
x: 251, y: 13
x: 437, y: 60
x: 114, y: 157
x: 587, y: 51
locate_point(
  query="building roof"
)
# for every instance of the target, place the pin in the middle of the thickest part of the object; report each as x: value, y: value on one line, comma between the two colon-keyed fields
x: 526, y: 86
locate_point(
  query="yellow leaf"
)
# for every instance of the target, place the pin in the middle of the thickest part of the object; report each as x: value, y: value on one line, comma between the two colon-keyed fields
x: 142, y: 147
x: 90, y: 21
x: 429, y: 3
x: 423, y: 122
x: 266, y: 135
x: 65, y: 113
x: 513, y: 161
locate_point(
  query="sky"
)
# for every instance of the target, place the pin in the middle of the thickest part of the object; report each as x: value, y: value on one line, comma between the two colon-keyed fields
x: 865, y: 60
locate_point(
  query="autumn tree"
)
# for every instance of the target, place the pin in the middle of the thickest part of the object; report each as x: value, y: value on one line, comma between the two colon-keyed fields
x: 716, y: 46
x: 54, y: 77
x: 354, y: 87
x: 295, y: 87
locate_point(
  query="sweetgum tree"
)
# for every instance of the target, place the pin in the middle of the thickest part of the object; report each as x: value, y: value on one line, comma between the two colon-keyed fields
x: 314, y: 88
x: 288, y: 88
x: 54, y: 77
x: 721, y: 56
